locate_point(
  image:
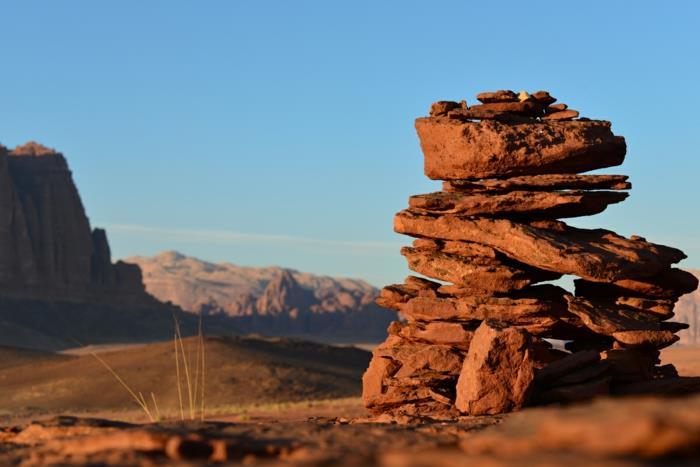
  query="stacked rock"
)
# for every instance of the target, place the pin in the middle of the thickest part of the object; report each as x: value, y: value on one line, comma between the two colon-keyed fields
x: 477, y: 338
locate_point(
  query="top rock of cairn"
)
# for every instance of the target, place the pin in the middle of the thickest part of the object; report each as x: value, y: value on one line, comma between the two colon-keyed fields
x: 509, y: 134
x: 476, y: 341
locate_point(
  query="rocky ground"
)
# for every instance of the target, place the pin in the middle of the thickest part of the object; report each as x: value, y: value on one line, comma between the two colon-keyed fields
x: 606, y: 432
x: 626, y: 431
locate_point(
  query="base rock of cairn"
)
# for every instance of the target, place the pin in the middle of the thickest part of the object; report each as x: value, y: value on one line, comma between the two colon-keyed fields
x: 477, y: 341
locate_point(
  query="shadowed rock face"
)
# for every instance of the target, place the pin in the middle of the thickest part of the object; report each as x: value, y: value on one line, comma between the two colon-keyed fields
x: 47, y: 247
x: 58, y: 285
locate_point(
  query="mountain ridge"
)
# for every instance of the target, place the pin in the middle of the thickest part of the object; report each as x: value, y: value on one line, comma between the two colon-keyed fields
x: 269, y: 300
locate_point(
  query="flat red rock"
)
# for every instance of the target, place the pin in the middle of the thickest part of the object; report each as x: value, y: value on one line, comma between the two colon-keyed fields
x: 527, y: 108
x: 527, y: 204
x: 540, y: 183
x: 503, y: 95
x: 474, y: 274
x: 471, y: 150
x: 561, y: 115
x: 442, y: 107
x: 543, y: 97
x: 598, y: 255
x: 609, y: 320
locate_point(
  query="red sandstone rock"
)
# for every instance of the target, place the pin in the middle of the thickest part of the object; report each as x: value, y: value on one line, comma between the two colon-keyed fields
x: 490, y: 113
x: 598, y: 255
x: 469, y: 150
x: 528, y: 108
x: 414, y: 356
x: 538, y: 309
x: 474, y: 274
x: 657, y: 339
x: 497, y: 372
x: 527, y: 204
x: 456, y: 248
x: 442, y: 107
x: 669, y: 284
x: 561, y: 115
x: 373, y: 379
x: 610, y: 320
x: 541, y: 182
x: 543, y: 97
x: 503, y: 95
x: 662, y: 308
x: 435, y: 332
x: 556, y: 108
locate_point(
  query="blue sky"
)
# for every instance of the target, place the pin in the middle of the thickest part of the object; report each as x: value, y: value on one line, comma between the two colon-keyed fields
x: 282, y: 132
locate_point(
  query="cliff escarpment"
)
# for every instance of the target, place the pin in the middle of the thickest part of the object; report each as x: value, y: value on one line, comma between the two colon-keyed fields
x: 47, y: 247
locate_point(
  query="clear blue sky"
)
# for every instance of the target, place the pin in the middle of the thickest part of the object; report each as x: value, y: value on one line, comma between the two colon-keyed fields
x: 282, y: 132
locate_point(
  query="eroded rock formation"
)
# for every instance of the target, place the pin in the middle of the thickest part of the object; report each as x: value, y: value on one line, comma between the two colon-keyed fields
x: 480, y: 343
x: 58, y: 285
x: 47, y: 247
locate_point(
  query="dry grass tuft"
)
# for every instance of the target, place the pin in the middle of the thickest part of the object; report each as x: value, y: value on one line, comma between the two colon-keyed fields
x: 195, y: 383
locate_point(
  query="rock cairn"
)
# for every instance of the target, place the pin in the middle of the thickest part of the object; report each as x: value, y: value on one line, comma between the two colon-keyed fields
x: 479, y: 340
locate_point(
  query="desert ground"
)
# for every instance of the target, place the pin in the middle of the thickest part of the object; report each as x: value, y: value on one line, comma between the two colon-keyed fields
x: 271, y: 401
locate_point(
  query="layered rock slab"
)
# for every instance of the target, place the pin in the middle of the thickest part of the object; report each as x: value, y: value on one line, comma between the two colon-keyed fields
x: 470, y: 150
x: 473, y: 272
x: 597, y: 255
x: 540, y: 183
x: 517, y: 204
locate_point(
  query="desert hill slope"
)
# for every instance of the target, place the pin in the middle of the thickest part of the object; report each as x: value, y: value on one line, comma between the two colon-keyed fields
x: 239, y: 370
x: 271, y: 300
x: 13, y: 357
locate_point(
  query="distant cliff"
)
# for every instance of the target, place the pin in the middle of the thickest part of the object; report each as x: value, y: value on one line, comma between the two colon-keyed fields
x: 47, y: 248
x: 58, y: 285
x: 270, y: 300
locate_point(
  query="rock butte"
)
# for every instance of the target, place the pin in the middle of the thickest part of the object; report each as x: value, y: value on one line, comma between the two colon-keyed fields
x: 477, y: 345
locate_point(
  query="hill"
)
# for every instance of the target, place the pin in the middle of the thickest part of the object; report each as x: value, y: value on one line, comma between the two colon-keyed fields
x: 271, y: 300
x: 239, y: 371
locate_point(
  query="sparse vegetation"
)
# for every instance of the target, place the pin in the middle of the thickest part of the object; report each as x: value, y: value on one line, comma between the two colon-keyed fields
x: 194, y: 383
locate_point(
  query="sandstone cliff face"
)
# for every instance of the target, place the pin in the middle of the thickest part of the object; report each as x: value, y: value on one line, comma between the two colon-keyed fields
x: 267, y: 300
x: 47, y: 248
x: 57, y: 280
x: 17, y: 263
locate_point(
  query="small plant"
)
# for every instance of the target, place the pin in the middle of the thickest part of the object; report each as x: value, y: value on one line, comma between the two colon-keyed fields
x: 195, y: 384
x: 140, y: 400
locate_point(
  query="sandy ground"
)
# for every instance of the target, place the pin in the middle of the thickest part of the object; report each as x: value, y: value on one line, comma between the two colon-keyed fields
x: 622, y: 431
x: 630, y: 431
x: 685, y: 358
